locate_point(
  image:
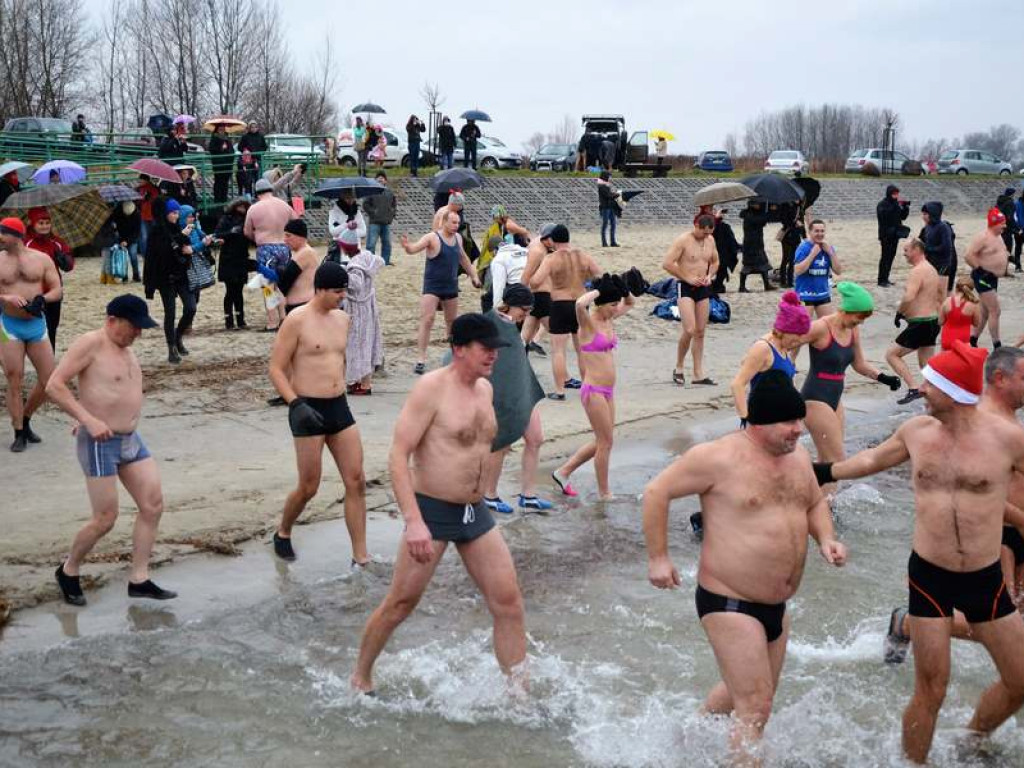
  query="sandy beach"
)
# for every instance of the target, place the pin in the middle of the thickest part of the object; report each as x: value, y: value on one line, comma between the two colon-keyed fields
x: 226, y: 458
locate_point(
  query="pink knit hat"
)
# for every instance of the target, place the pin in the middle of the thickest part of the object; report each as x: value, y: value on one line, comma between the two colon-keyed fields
x: 792, y: 317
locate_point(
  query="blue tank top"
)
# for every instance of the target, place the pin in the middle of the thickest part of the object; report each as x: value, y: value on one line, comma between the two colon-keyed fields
x: 441, y: 273
x: 779, y: 363
x: 813, y: 285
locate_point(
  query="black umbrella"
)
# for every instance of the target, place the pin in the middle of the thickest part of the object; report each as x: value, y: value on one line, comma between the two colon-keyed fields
x: 359, y: 185
x: 159, y: 123
x: 456, y: 178
x: 476, y: 114
x: 774, y: 189
x: 370, y: 107
x: 811, y: 188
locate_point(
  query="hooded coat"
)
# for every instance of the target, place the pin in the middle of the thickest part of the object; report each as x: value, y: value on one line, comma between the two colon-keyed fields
x: 891, y: 215
x: 1005, y: 204
x: 937, y: 237
x: 233, y: 266
x: 166, y: 264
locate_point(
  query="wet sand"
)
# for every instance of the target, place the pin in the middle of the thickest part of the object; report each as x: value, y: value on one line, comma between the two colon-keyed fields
x: 227, y: 460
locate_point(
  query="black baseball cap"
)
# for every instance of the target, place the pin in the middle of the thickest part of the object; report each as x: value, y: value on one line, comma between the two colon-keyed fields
x: 560, y: 233
x: 475, y: 327
x: 330, y: 276
x: 133, y: 309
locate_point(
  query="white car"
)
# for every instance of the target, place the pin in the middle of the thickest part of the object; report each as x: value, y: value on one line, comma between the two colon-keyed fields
x: 787, y: 161
x: 292, y: 147
x: 397, y: 151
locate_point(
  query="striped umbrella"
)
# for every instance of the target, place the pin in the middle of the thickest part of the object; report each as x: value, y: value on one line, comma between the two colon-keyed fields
x: 77, y: 212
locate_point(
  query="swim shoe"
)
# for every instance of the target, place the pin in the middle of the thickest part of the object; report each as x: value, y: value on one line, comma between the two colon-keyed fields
x: 70, y: 587
x: 896, y: 643
x: 911, y: 396
x: 536, y: 349
x: 563, y: 485
x: 573, y: 383
x: 497, y: 505
x: 30, y: 435
x: 535, y: 504
x: 283, y: 548
x: 150, y: 590
x: 419, y: 369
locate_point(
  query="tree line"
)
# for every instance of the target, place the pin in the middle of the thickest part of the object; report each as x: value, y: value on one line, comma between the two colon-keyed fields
x: 198, y: 57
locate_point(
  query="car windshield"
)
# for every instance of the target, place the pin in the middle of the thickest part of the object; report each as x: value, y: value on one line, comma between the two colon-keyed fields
x: 716, y: 155
x: 291, y: 141
x: 949, y: 154
x: 782, y: 156
x: 493, y: 142
x: 859, y: 153
x: 555, y: 149
x: 55, y: 125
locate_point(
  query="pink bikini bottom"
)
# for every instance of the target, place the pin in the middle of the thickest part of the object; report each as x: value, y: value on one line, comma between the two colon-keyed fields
x: 589, y: 389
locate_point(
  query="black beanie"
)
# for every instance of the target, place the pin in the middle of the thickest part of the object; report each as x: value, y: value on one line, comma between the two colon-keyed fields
x: 774, y: 399
x: 297, y: 227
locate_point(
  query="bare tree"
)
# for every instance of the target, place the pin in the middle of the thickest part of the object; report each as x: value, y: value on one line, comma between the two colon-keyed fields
x: 432, y: 97
x: 230, y: 24
x: 535, y: 142
x: 565, y: 132
x: 731, y: 145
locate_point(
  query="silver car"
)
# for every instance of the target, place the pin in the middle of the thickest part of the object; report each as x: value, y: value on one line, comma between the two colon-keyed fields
x: 787, y: 161
x: 884, y: 160
x: 965, y: 161
x: 491, y: 154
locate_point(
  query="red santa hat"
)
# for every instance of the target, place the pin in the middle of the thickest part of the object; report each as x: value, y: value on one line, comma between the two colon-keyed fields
x: 995, y: 217
x: 958, y: 372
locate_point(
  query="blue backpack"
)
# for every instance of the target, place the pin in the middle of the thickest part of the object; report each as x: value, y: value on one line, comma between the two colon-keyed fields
x: 719, y: 311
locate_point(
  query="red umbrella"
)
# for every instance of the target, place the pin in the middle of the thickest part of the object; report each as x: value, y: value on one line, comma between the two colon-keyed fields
x: 156, y: 169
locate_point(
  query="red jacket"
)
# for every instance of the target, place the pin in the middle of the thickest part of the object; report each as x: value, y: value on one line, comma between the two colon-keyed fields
x: 56, y: 249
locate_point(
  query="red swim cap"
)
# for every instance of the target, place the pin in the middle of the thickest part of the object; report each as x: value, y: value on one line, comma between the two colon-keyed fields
x: 995, y: 217
x: 12, y: 226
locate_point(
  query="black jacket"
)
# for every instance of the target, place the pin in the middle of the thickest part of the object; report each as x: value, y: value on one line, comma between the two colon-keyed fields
x: 414, y: 130
x: 6, y: 190
x: 222, y: 154
x: 937, y: 237
x: 380, y: 209
x: 172, y: 148
x: 726, y: 245
x: 254, y: 142
x: 891, y: 215
x: 470, y: 133
x: 128, y: 225
x: 233, y: 266
x: 605, y: 197
x: 166, y: 265
x: 1006, y: 204
x: 446, y: 138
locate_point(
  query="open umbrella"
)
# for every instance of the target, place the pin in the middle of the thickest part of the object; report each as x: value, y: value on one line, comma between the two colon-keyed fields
x: 723, y: 192
x: 156, y: 169
x: 811, y: 188
x: 455, y: 178
x: 774, y: 189
x: 476, y: 114
x: 229, y: 123
x: 118, y: 193
x: 67, y: 171
x: 361, y: 186
x: 660, y: 134
x: 370, y: 108
x: 183, y: 120
x: 77, y: 211
x: 159, y: 123
x: 24, y: 170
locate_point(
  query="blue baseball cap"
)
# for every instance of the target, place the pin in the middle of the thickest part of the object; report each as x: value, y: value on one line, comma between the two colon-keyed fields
x: 133, y: 309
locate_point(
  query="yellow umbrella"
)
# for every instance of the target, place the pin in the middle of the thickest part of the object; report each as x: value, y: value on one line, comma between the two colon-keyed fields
x: 662, y: 135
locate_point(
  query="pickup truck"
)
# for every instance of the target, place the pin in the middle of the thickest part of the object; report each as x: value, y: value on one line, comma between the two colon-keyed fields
x: 632, y: 154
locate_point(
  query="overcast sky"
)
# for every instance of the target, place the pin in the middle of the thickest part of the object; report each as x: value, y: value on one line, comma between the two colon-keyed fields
x: 700, y: 70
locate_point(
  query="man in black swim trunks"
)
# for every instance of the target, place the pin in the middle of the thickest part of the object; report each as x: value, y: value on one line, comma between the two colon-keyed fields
x: 987, y: 256
x: 919, y: 307
x: 307, y: 367
x: 963, y: 462
x: 445, y: 429
x: 760, y: 501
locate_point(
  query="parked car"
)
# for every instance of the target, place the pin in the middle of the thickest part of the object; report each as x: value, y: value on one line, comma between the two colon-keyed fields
x: 554, y: 157
x: 29, y: 136
x: 292, y: 147
x: 964, y: 161
x: 885, y: 161
x: 787, y: 161
x: 49, y: 127
x: 397, y: 151
x: 714, y: 160
x: 491, y: 154
x: 140, y: 141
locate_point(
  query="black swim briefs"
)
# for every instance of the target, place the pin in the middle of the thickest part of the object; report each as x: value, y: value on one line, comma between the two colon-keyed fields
x: 289, y: 308
x: 935, y: 592
x: 442, y: 295
x: 1014, y: 542
x: 770, y: 616
x: 541, y: 304
x: 918, y: 334
x: 984, y: 281
x: 816, y: 302
x: 334, y: 411
x: 451, y: 521
x: 694, y: 292
x: 563, y: 317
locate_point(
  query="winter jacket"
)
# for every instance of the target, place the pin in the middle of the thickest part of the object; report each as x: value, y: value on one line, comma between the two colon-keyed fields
x: 937, y: 237
x: 233, y: 266
x: 414, y: 130
x: 605, y: 196
x: 446, y: 138
x: 891, y: 215
x: 128, y: 225
x: 172, y: 148
x: 1018, y: 213
x: 1005, y: 204
x: 197, y: 235
x: 338, y: 218
x: 254, y: 142
x: 381, y: 209
x: 58, y: 251
x: 6, y: 190
x: 222, y: 154
x: 166, y: 264
x: 470, y: 133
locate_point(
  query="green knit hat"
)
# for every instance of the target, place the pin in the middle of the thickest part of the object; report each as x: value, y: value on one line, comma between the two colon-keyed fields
x: 854, y: 298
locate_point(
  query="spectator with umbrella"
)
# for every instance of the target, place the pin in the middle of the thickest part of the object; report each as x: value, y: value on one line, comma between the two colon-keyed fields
x: 40, y: 237
x: 414, y: 131
x: 755, y: 260
x: 380, y: 209
x: 446, y: 143
x: 791, y: 235
x: 168, y: 254
x: 148, y: 192
x: 345, y: 209
x: 469, y: 134
x: 361, y: 143
x: 728, y: 250
x: 128, y: 221
x: 234, y: 265
x: 174, y: 145
x: 222, y: 159
x: 11, y: 176
x: 59, y: 172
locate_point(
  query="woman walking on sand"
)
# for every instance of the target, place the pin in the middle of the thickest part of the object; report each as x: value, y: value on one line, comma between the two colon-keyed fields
x: 960, y: 313
x: 612, y: 297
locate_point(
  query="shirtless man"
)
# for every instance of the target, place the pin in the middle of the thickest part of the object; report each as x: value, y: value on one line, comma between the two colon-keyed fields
x: 456, y: 204
x: 693, y: 261
x: 565, y: 269
x: 446, y: 427
x: 296, y: 279
x: 307, y: 368
x: 28, y: 282
x: 539, y: 247
x: 963, y: 460
x: 920, y: 305
x: 108, y: 409
x: 759, y: 501
x: 264, y: 225
x: 445, y: 255
x: 987, y: 258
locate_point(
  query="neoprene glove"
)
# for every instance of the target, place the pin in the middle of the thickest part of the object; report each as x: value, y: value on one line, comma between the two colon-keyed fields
x: 267, y: 272
x: 620, y: 284
x: 304, y: 417
x: 892, y: 382
x: 898, y: 319
x: 36, y: 307
x: 635, y: 282
x: 823, y: 472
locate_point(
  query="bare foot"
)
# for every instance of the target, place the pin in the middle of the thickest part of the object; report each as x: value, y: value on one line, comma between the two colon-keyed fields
x: 361, y: 685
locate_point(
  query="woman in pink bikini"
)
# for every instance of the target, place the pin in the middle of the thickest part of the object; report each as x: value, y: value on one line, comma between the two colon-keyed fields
x: 611, y: 299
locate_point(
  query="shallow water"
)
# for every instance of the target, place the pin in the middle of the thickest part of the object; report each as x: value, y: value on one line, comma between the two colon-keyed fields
x: 250, y: 666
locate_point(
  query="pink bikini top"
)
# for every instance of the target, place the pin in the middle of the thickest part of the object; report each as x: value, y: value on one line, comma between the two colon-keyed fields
x: 600, y: 343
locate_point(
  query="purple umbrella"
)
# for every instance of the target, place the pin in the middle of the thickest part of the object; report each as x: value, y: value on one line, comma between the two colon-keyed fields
x: 70, y: 173
x: 184, y: 120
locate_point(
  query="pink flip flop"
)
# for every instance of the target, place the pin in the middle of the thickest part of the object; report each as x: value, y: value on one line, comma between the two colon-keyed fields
x: 564, y: 487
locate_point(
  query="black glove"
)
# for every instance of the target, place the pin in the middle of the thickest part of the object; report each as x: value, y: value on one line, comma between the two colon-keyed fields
x: 823, y: 472
x: 36, y: 307
x: 892, y: 382
x: 743, y: 422
x: 620, y: 284
x: 898, y: 319
x: 635, y: 282
x: 302, y: 417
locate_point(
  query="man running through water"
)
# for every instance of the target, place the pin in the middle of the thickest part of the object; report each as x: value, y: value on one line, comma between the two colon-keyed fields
x: 567, y: 269
x: 759, y: 502
x: 307, y: 368
x: 446, y: 428
x: 693, y: 261
x: 963, y: 460
x: 108, y: 409
x: 919, y: 307
x: 28, y: 282
x: 987, y: 257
